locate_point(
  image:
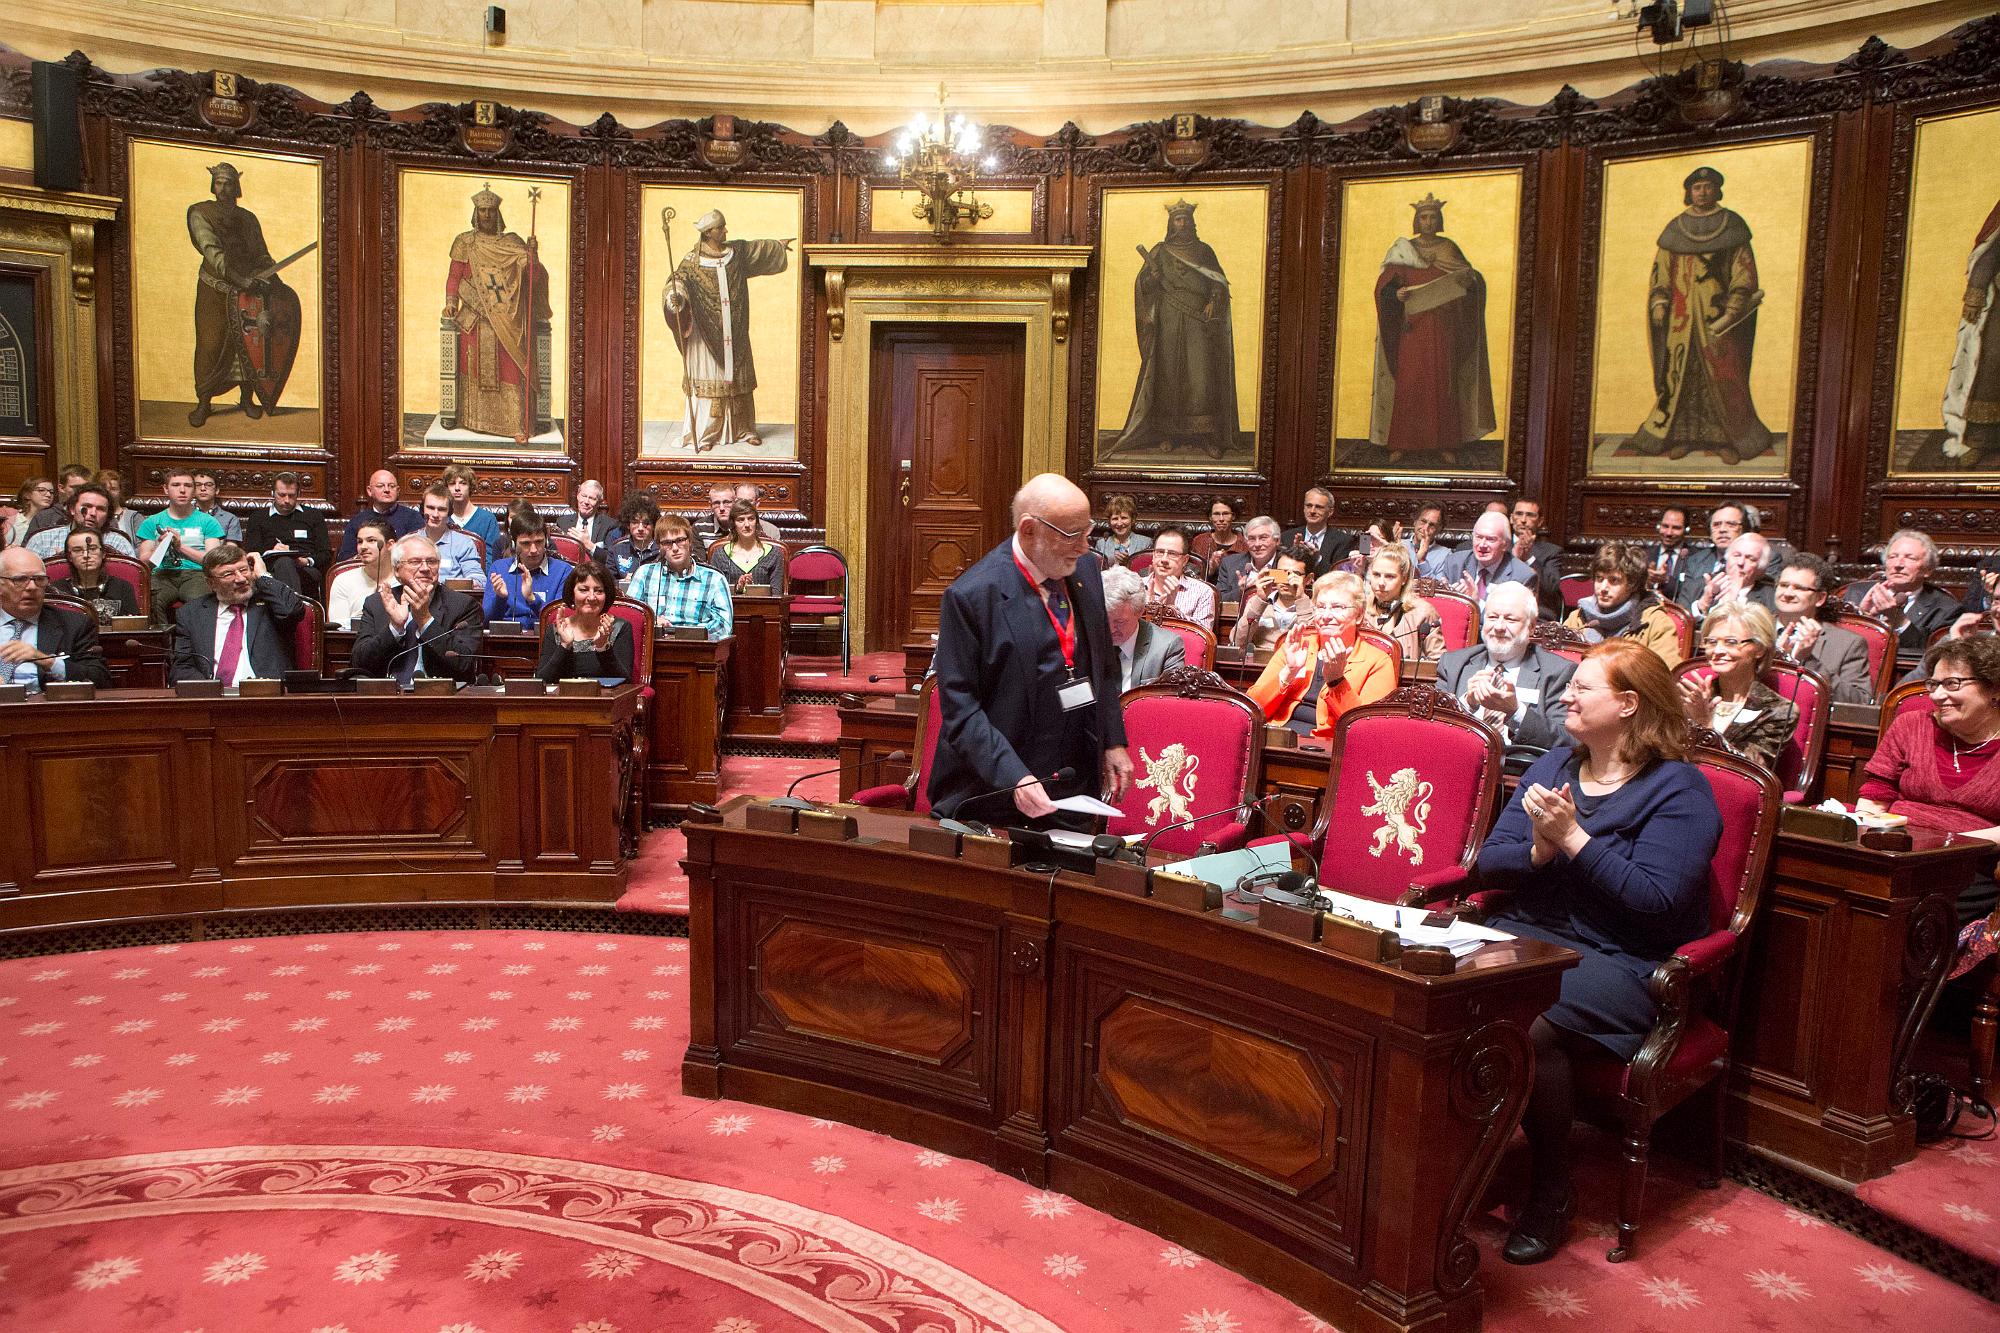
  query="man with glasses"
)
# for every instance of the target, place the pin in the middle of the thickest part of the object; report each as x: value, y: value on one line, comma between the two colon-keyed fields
x: 208, y: 499
x: 89, y: 511
x: 1510, y: 683
x: 1027, y: 675
x: 39, y: 643
x: 242, y: 628
x: 1167, y: 585
x: 1839, y: 655
x: 87, y: 581
x: 416, y: 626
x: 681, y: 589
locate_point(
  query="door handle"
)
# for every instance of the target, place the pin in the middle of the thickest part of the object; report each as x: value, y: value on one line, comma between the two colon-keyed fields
x: 903, y: 490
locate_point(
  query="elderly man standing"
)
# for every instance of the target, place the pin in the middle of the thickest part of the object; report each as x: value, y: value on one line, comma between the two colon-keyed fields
x: 241, y: 628
x: 1145, y: 651
x: 39, y: 643
x: 1742, y: 576
x: 1027, y: 676
x: 1512, y: 685
x: 1485, y: 564
x: 1905, y: 597
x: 707, y: 308
x: 383, y: 490
x: 417, y: 626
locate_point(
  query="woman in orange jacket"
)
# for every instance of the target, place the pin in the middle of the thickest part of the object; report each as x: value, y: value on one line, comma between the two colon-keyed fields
x: 1320, y: 669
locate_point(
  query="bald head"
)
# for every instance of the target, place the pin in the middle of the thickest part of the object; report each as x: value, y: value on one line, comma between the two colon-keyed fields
x: 21, y: 599
x: 383, y: 488
x: 1052, y: 523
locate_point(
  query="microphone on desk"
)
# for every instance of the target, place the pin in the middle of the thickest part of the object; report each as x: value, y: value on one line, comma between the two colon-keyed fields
x: 880, y: 676
x: 1244, y: 808
x: 389, y: 667
x: 790, y: 802
x: 977, y: 829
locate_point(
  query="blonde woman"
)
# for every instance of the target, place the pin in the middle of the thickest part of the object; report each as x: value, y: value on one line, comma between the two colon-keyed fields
x: 1396, y: 610
x: 1753, y: 719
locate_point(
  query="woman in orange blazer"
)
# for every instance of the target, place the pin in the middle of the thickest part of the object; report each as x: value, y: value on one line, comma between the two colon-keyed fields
x: 1322, y: 660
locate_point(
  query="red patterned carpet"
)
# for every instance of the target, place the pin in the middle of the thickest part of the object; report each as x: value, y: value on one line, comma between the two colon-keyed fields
x: 478, y: 1133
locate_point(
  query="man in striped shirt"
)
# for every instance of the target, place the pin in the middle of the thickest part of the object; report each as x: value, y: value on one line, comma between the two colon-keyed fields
x: 680, y: 589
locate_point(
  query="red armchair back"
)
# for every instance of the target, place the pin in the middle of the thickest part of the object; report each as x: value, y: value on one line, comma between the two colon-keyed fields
x: 1197, y: 642
x: 1196, y: 745
x: 913, y: 794
x: 1458, y: 615
x: 1798, y: 766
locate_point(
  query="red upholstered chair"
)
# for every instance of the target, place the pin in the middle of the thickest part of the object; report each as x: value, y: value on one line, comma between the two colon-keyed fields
x: 56, y: 567
x: 827, y: 568
x: 1411, y: 785
x: 1558, y: 639
x: 309, y: 638
x: 1683, y: 620
x: 913, y: 792
x: 566, y: 547
x: 1914, y: 697
x: 638, y: 618
x: 1574, y: 588
x: 1196, y: 744
x: 1142, y: 563
x: 1874, y: 632
x: 133, y: 572
x: 1197, y: 642
x: 1458, y: 615
x: 1798, y: 767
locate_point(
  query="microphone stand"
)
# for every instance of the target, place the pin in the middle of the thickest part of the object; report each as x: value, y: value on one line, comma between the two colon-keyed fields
x: 790, y: 802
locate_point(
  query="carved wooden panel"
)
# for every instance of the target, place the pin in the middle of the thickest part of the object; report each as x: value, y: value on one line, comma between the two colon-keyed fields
x: 1219, y: 1089
x: 1788, y: 960
x: 101, y: 810
x: 555, y: 798
x: 341, y: 797
x: 901, y: 996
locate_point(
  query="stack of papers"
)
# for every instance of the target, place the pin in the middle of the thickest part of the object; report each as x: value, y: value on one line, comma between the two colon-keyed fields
x: 1461, y: 937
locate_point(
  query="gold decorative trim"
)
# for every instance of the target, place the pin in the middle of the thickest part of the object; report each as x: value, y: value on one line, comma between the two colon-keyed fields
x: 57, y: 233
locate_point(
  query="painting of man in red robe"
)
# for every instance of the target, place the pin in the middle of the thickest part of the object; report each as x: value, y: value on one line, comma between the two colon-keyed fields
x: 1433, y: 381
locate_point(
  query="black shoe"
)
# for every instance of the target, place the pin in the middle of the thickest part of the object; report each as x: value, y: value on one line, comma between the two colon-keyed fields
x: 1540, y: 1231
x: 199, y: 416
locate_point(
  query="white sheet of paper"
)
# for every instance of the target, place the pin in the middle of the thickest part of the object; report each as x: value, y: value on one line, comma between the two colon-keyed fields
x: 1087, y: 805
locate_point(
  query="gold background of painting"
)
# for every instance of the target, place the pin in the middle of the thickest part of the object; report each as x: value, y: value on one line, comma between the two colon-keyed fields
x: 17, y: 144
x: 1955, y: 180
x: 435, y: 207
x: 165, y: 178
x: 1233, y: 220
x: 1770, y: 185
x: 1483, y: 214
x: 1013, y: 213
x: 752, y: 215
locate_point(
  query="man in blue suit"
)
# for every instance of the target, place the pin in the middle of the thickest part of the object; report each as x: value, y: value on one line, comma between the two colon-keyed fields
x: 1027, y: 676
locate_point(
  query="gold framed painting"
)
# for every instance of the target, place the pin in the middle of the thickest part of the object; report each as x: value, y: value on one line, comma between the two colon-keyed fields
x: 1947, y: 408
x: 1701, y: 279
x: 228, y: 324
x: 1423, y: 368
x: 1181, y: 326
x: 482, y: 312
x: 721, y: 291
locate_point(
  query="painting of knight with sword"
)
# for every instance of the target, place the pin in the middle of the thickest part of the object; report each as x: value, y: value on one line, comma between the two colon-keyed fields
x: 246, y: 319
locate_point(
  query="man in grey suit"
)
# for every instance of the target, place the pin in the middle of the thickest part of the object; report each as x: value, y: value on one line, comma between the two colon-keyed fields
x: 1512, y: 685
x: 1145, y: 651
x: 1839, y: 655
x: 1485, y: 564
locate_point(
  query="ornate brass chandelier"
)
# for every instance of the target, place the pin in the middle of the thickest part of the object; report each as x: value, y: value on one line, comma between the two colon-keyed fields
x: 938, y: 157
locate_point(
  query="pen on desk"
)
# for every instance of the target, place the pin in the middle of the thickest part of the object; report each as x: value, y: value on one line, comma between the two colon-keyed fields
x: 1399, y: 918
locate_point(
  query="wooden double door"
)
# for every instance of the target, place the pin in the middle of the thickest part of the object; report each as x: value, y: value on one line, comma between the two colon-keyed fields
x: 945, y: 423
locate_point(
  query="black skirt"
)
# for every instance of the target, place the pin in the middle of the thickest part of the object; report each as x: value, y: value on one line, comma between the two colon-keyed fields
x: 1603, y: 998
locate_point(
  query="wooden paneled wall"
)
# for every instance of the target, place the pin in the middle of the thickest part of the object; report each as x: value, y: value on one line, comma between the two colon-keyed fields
x: 1859, y: 113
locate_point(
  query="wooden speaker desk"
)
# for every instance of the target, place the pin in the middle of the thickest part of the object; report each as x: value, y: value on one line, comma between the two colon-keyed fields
x: 1323, y: 1124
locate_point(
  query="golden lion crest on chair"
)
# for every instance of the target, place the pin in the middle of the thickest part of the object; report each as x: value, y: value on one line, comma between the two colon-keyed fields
x: 1405, y: 807
x: 1163, y: 777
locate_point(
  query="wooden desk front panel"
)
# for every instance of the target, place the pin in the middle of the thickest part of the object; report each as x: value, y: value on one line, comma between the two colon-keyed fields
x: 689, y: 693
x: 757, y: 667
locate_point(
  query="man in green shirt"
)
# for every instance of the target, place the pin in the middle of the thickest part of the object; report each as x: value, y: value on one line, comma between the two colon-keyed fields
x: 185, y: 533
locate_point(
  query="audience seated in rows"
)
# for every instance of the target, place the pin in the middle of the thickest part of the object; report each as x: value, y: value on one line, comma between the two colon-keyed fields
x: 460, y: 480
x: 374, y: 541
x: 415, y: 626
x: 291, y: 540
x: 1322, y: 668
x: 714, y: 525
x: 748, y: 558
x: 1936, y: 767
x: 89, y: 511
x: 1510, y: 682
x: 50, y: 501
x: 1606, y: 845
x: 87, y: 581
x: 583, y: 638
x: 1838, y: 655
x: 1726, y: 522
x: 525, y: 582
x: 1905, y: 597
x: 1275, y: 601
x: 1234, y: 573
x: 1420, y: 539
x: 1753, y: 720
x: 41, y: 643
x: 33, y: 497
x: 1122, y: 541
x: 208, y: 499
x: 1169, y: 586
x: 1622, y: 606
x: 1221, y: 537
x: 1484, y: 565
x: 634, y: 544
x: 188, y: 534
x: 681, y: 589
x: 1396, y: 610
x: 382, y: 502
x: 458, y: 554
x: 241, y: 627
x: 1322, y: 544
x: 1145, y: 650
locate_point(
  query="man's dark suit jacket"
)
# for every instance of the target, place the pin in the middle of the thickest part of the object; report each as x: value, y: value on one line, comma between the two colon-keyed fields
x: 1225, y: 574
x: 403, y: 521
x: 1335, y: 545
x: 299, y: 530
x: 998, y: 669
x: 452, y: 647
x: 1933, y: 610
x: 274, y: 610
x: 1541, y: 725
x: 1545, y: 558
x: 60, y: 630
x: 1681, y: 554
x: 1700, y: 563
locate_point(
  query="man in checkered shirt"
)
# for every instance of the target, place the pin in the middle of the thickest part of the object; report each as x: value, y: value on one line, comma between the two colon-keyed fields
x: 680, y: 589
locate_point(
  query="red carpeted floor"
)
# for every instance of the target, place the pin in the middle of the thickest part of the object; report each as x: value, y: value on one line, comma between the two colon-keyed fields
x: 484, y: 1132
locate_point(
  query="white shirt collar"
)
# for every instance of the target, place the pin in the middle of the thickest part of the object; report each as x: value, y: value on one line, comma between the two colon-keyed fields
x: 1033, y: 568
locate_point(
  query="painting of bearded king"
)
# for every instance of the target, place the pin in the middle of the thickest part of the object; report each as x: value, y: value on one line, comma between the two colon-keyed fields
x: 1433, y: 381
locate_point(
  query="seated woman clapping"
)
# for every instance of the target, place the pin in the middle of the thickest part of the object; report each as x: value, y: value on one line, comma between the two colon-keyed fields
x: 1753, y: 719
x: 1622, y: 607
x: 1607, y: 845
x: 583, y: 638
x: 1320, y: 669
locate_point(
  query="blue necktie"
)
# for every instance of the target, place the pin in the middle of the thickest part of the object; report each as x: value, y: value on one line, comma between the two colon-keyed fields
x: 20, y: 673
x: 1058, y: 601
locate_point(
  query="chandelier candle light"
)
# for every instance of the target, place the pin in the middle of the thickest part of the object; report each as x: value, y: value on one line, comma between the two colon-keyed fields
x: 938, y: 158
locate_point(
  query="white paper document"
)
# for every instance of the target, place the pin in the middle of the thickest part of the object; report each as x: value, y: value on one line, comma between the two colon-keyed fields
x: 1087, y: 805
x: 1461, y: 937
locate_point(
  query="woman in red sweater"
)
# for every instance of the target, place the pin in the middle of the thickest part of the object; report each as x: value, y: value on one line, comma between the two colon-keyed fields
x: 1938, y: 768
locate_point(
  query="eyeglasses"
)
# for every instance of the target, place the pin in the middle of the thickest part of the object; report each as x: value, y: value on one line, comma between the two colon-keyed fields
x: 26, y: 580
x: 422, y: 561
x: 671, y: 542
x: 1062, y: 532
x: 1950, y: 684
x: 1725, y: 641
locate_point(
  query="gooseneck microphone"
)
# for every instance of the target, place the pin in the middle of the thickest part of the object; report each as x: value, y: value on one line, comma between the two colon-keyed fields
x: 1241, y: 807
x: 957, y: 825
x: 790, y: 802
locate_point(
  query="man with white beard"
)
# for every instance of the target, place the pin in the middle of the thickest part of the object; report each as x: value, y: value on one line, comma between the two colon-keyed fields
x: 1509, y: 683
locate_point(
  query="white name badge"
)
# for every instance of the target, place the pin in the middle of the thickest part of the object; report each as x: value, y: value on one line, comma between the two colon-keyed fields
x: 1528, y: 694
x: 1746, y: 715
x: 1076, y: 694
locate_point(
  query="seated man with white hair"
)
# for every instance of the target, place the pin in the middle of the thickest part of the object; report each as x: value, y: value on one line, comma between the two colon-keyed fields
x: 589, y: 521
x: 1485, y: 564
x: 1743, y: 576
x: 1509, y: 683
x: 417, y: 626
x: 1905, y: 597
x: 1145, y: 651
x: 1236, y: 573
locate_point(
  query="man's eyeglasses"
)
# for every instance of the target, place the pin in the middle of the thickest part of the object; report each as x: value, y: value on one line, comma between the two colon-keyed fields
x: 671, y: 542
x: 1062, y: 532
x: 422, y: 561
x: 1810, y: 589
x: 26, y: 580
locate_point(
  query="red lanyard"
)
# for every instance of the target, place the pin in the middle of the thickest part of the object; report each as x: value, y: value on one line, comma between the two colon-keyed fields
x: 1065, y: 634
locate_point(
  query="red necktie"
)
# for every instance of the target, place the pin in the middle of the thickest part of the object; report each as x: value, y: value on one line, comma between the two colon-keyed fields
x: 232, y: 647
